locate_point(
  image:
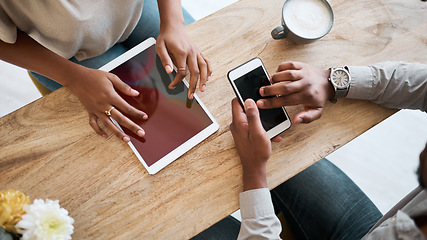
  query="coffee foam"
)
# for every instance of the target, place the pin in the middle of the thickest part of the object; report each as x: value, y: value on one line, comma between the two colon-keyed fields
x: 307, y: 18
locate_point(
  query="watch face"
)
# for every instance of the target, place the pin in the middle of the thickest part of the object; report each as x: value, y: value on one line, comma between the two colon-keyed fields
x: 340, y: 78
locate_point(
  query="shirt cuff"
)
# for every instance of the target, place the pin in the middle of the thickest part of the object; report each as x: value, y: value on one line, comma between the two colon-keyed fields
x: 256, y: 203
x: 362, y: 80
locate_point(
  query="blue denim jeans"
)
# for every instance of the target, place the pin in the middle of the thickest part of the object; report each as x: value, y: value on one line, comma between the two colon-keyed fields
x: 321, y: 202
x: 148, y: 26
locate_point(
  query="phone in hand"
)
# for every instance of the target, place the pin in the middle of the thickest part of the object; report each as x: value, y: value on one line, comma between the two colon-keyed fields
x: 246, y: 81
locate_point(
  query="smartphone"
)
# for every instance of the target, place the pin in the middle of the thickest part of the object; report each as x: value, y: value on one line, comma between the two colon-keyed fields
x: 246, y: 81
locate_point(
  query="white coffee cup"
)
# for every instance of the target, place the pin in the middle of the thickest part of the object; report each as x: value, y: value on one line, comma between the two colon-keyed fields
x: 304, y: 21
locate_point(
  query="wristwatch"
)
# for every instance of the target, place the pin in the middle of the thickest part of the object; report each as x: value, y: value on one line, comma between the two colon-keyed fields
x: 340, y: 79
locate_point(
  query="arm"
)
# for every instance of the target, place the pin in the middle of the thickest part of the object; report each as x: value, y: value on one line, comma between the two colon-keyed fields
x: 174, y: 44
x: 94, y: 88
x: 254, y: 147
x: 393, y: 85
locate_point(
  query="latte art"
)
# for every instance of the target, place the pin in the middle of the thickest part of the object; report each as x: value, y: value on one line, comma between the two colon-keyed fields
x: 307, y: 18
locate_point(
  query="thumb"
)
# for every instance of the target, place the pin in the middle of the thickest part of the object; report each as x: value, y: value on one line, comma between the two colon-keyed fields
x: 252, y: 114
x: 308, y: 115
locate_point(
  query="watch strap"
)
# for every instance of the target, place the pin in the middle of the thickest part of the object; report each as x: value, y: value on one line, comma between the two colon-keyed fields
x: 340, y: 93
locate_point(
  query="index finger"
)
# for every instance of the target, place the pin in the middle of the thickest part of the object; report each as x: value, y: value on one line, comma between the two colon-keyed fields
x: 289, y: 66
x: 286, y: 75
x: 281, y: 88
x: 181, y: 65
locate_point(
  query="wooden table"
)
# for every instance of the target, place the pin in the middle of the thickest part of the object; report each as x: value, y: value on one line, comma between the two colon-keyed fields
x: 48, y: 150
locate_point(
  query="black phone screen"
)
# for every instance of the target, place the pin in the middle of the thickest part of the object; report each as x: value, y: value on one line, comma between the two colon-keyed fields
x: 248, y: 86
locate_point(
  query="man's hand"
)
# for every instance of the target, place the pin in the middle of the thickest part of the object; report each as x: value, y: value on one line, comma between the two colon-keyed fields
x: 252, y: 143
x: 298, y: 83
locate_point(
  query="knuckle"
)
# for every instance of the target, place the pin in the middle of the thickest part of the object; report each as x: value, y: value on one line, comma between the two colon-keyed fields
x: 129, y: 110
x: 126, y: 87
x: 250, y: 116
x: 292, y: 75
x: 310, y: 95
x: 284, y: 88
x: 203, y: 64
x: 181, y: 51
x: 195, y: 70
x: 181, y: 75
x: 251, y: 113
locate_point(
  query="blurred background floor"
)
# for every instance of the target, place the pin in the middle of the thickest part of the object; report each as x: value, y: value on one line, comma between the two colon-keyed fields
x: 381, y: 161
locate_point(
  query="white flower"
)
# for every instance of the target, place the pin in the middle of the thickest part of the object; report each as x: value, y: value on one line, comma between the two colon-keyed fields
x: 45, y: 220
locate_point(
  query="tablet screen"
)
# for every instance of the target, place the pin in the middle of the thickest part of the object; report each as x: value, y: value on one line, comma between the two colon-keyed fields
x: 172, y: 119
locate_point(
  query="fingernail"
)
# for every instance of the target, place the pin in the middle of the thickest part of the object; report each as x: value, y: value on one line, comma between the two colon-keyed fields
x: 168, y: 68
x: 145, y: 117
x: 248, y: 105
x: 126, y: 139
x: 298, y: 120
x: 140, y: 133
x: 208, y: 78
x: 191, y: 96
x: 261, y: 91
x: 105, y: 136
x: 203, y: 87
x: 260, y: 103
x: 135, y: 92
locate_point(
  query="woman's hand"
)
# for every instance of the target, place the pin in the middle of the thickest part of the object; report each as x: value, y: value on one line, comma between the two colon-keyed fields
x: 96, y: 91
x: 297, y: 83
x: 94, y: 88
x: 174, y: 45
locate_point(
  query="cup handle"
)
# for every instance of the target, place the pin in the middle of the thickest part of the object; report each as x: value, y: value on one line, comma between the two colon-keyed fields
x: 279, y: 32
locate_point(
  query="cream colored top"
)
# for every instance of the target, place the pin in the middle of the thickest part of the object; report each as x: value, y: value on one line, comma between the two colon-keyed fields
x: 80, y: 28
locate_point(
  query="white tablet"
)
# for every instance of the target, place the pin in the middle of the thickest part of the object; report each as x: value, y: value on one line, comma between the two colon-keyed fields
x: 175, y: 124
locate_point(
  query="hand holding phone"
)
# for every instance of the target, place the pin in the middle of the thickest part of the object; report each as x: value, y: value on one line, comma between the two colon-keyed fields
x: 246, y: 81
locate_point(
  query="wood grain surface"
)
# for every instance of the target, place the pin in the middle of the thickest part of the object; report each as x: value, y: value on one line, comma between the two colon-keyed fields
x: 48, y: 150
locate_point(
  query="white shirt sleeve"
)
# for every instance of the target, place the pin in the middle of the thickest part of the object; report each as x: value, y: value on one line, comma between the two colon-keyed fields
x: 391, y: 84
x: 258, y: 218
